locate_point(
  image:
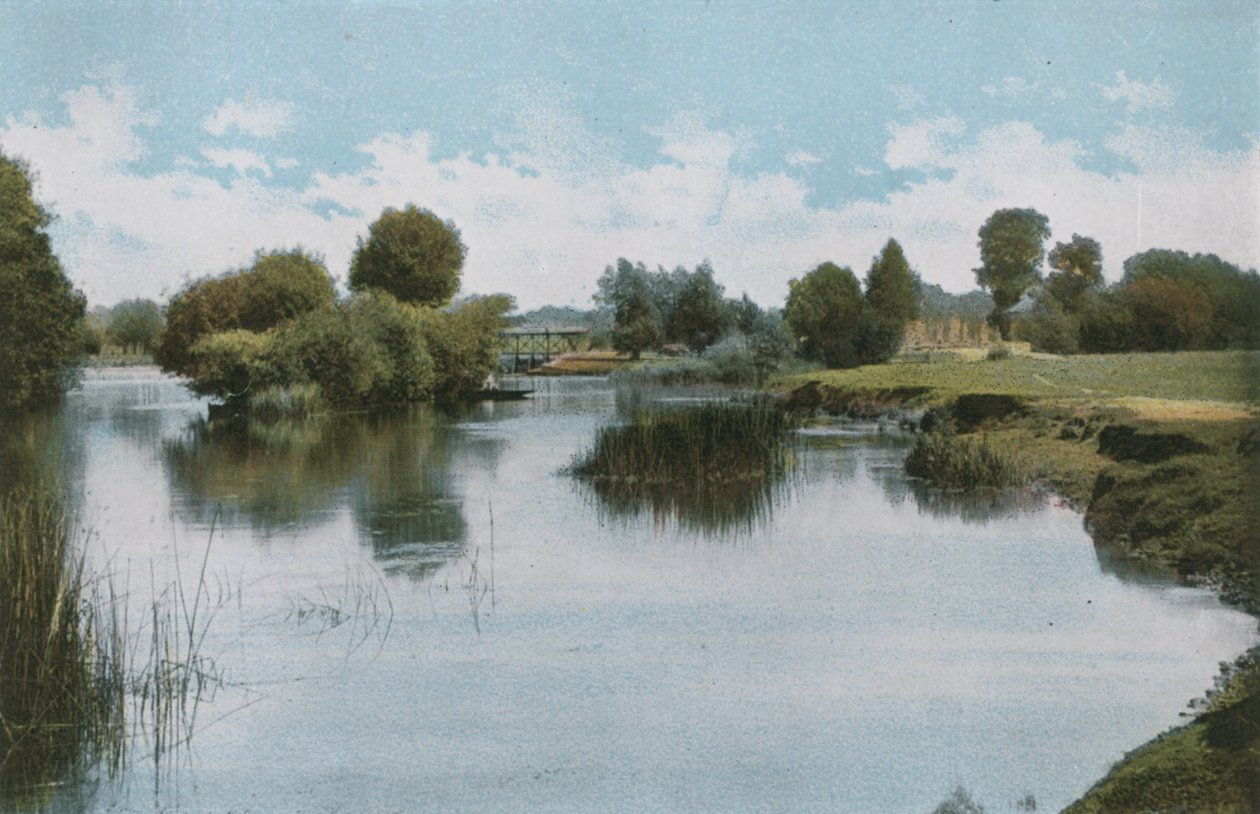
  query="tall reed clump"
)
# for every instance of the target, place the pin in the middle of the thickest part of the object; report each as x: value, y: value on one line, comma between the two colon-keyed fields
x: 79, y: 685
x: 964, y: 462
x: 712, y: 443
x: 62, y: 688
x: 711, y: 466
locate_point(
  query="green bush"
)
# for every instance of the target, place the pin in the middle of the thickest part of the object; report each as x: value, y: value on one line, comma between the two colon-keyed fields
x: 464, y: 344
x: 232, y: 364
x: 326, y: 347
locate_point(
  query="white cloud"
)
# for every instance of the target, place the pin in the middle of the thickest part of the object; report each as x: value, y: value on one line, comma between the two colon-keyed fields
x: 240, y: 160
x: 287, y: 163
x: 802, y: 158
x: 1139, y: 96
x: 922, y: 144
x: 1011, y: 87
x: 543, y: 231
x: 263, y: 118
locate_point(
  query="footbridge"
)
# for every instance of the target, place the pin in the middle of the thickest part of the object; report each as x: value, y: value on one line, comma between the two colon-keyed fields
x: 527, y: 348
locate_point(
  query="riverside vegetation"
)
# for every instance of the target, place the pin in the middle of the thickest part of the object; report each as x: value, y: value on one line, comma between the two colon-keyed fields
x: 1162, y: 451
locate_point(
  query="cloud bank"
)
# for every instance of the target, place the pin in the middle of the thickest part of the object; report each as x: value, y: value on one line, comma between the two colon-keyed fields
x: 541, y: 222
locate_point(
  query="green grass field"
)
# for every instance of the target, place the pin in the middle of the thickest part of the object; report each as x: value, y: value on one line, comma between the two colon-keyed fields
x: 1228, y: 376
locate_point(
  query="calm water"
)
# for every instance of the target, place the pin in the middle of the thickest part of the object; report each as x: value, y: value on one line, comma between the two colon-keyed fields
x: 857, y: 645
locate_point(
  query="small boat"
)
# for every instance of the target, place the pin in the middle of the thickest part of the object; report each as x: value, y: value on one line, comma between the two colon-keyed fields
x: 495, y: 394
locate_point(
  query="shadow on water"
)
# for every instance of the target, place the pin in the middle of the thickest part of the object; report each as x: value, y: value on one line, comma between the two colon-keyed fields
x: 397, y: 474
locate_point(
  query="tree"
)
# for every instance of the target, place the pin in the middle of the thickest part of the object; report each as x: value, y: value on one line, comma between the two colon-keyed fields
x: 823, y: 310
x: 892, y: 300
x: 699, y: 315
x: 1078, y: 269
x: 134, y: 325
x: 40, y: 311
x: 636, y: 326
x: 277, y: 288
x: 1230, y: 295
x: 1011, y: 251
x: 1169, y: 314
x: 411, y: 253
x: 892, y: 288
x: 626, y: 291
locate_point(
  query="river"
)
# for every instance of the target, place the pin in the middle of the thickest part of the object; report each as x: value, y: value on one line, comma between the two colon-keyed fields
x: 424, y: 613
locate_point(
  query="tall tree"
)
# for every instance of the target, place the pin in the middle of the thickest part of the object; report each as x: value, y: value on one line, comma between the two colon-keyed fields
x: 823, y: 311
x: 892, y: 300
x: 1077, y: 270
x: 411, y: 253
x: 892, y: 288
x: 699, y: 315
x: 40, y: 310
x: 1011, y: 251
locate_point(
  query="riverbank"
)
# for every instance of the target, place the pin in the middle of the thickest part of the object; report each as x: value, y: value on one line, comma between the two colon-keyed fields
x: 1160, y: 452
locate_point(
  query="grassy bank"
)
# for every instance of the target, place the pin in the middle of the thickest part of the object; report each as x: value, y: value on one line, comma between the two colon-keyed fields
x: 1162, y: 453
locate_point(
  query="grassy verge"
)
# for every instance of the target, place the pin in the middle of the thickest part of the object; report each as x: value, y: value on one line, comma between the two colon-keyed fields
x: 1162, y: 453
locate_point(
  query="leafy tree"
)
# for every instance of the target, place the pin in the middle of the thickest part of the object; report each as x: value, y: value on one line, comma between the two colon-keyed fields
x: 1107, y: 322
x: 892, y: 300
x: 411, y: 253
x: 135, y: 324
x: 1077, y: 269
x: 278, y: 287
x: 40, y: 311
x: 464, y: 343
x: 823, y: 310
x: 636, y: 326
x: 699, y: 315
x: 1050, y: 327
x: 1230, y: 296
x: 1168, y: 315
x: 626, y: 290
x: 1011, y: 251
x: 231, y: 365
x: 281, y: 285
x: 892, y: 289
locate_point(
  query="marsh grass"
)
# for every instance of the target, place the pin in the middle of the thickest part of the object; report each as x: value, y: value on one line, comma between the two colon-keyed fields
x: 82, y: 689
x: 712, y: 466
x: 297, y: 401
x: 965, y: 462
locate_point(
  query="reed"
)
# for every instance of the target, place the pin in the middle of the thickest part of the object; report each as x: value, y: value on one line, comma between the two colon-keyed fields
x: 81, y: 686
x: 61, y: 660
x: 964, y: 462
x: 711, y: 467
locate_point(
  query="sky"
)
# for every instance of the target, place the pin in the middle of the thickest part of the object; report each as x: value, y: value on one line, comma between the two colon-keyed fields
x: 173, y: 141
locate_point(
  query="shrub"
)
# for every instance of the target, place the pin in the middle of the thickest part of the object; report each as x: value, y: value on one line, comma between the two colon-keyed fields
x: 231, y: 364
x: 327, y: 348
x: 464, y: 344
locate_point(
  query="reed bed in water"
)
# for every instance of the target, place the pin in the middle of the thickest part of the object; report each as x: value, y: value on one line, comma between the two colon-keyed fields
x: 712, y: 443
x: 964, y: 462
x: 712, y: 467
x: 79, y: 683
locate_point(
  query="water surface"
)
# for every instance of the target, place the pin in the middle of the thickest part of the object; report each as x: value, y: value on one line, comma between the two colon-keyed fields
x: 504, y: 641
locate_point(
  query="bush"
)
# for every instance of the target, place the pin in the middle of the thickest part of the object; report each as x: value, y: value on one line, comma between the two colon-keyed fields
x: 464, y: 344
x: 231, y: 364
x: 326, y: 347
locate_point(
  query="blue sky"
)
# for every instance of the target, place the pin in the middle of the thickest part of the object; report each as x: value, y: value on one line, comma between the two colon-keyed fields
x: 175, y: 140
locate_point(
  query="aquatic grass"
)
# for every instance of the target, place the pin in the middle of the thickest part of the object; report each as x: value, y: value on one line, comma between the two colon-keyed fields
x: 78, y: 687
x: 964, y: 462
x: 299, y: 401
x: 711, y: 466
x: 61, y: 659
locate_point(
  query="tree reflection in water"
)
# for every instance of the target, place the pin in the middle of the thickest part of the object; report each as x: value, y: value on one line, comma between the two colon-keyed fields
x: 395, y: 473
